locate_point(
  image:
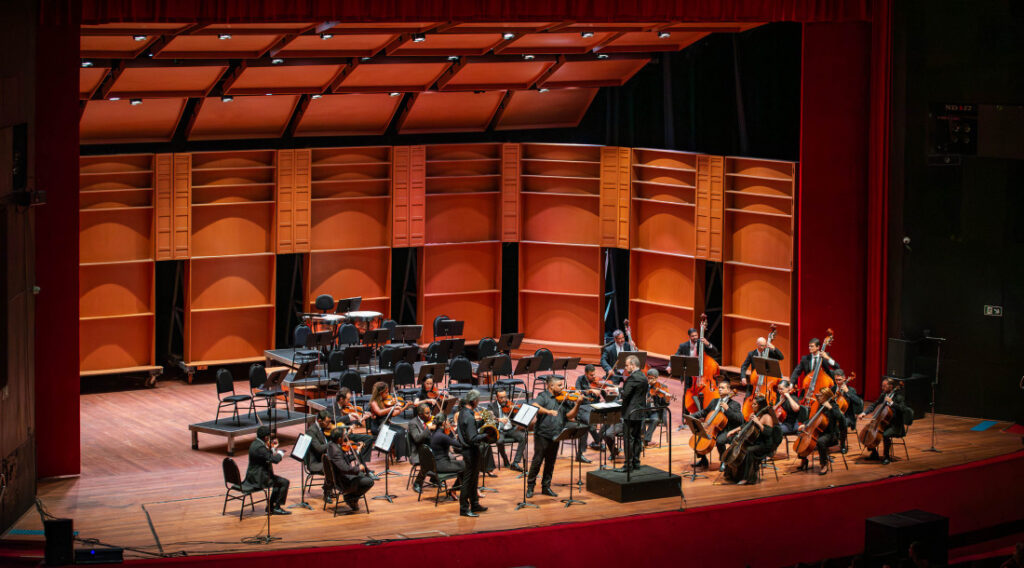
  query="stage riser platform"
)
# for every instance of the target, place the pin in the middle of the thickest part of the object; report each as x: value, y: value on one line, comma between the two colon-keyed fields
x: 644, y: 484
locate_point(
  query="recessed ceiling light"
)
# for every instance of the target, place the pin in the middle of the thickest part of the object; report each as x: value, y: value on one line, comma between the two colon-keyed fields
x: 326, y: 35
x: 394, y: 93
x: 277, y: 61
x: 224, y: 36
x: 136, y: 102
x: 453, y: 58
x: 227, y: 99
x: 508, y: 35
x: 139, y: 37
x: 316, y: 97
x: 365, y: 59
x: 587, y: 34
x: 602, y: 56
x: 114, y: 98
x: 664, y: 35
x: 87, y: 64
x: 268, y: 94
x: 419, y: 38
x: 542, y: 90
x: 528, y: 57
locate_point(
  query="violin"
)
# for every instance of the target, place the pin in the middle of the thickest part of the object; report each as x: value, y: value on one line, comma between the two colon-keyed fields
x: 807, y: 439
x: 392, y: 400
x: 871, y: 435
x: 841, y: 400
x: 762, y: 386
x: 571, y: 395
x: 349, y: 408
x: 813, y: 381
x: 704, y: 382
x: 508, y: 409
x: 714, y: 425
x: 660, y: 391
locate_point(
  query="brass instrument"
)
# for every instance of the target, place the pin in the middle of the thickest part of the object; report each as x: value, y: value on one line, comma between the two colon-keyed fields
x: 490, y: 425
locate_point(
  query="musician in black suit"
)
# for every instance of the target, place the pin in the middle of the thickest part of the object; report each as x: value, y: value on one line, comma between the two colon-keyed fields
x: 592, y: 394
x: 349, y: 478
x: 263, y: 454
x: 828, y: 438
x: 689, y: 348
x: 441, y: 445
x: 472, y: 439
x: 634, y: 398
x: 733, y: 414
x: 507, y: 435
x: 855, y: 407
x: 551, y: 418
x: 789, y: 403
x: 353, y: 419
x: 763, y: 349
x: 317, y: 433
x: 421, y: 428
x: 809, y: 362
x: 892, y: 394
x: 658, y: 416
x: 611, y: 354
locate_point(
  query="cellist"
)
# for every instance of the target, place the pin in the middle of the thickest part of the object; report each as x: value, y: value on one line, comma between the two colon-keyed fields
x: 791, y: 406
x: 856, y: 405
x: 733, y: 414
x: 808, y: 363
x: 766, y: 443
x: 892, y: 395
x: 830, y: 436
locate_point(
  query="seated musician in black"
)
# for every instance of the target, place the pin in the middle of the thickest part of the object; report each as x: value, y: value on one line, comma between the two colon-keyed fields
x: 892, y: 394
x: 765, y: 444
x: 263, y: 454
x: 762, y: 349
x: 828, y: 438
x: 384, y: 410
x: 442, y: 442
x: 421, y: 428
x: 658, y: 416
x: 610, y: 355
x: 429, y: 395
x: 733, y: 413
x: 352, y: 419
x: 318, y: 432
x: 855, y: 407
x: 349, y: 478
x: 794, y: 412
x: 585, y: 383
x: 502, y: 407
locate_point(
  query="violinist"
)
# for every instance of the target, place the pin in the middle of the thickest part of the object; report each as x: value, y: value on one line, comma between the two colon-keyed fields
x: 421, y: 428
x: 352, y: 415
x: 429, y: 394
x: 473, y: 444
x: 634, y: 397
x: 733, y: 414
x: 317, y: 433
x: 892, y: 395
x: 502, y: 407
x: 809, y: 362
x: 767, y: 441
x: 790, y: 407
x: 763, y: 348
x: 383, y: 408
x: 855, y: 406
x: 610, y: 355
x: 263, y: 454
x: 350, y: 480
x: 830, y: 436
x: 594, y: 390
x: 660, y: 402
x: 553, y: 410
x: 442, y: 441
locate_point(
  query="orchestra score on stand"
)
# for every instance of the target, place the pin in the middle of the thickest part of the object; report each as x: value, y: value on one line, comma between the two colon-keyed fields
x: 816, y: 404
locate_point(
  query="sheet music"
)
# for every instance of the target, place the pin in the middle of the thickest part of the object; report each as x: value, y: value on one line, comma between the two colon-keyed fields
x: 301, y: 447
x: 385, y: 439
x: 525, y: 415
x: 606, y: 405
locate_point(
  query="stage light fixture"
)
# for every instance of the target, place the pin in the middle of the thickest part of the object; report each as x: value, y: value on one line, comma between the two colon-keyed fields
x: 602, y: 56
x: 87, y: 64
x: 664, y: 35
x: 224, y: 36
x: 268, y: 94
x: 508, y: 35
x: 276, y: 61
x: 227, y: 99
x: 478, y: 92
x: 587, y: 34
x: 419, y: 38
x: 365, y: 59
x: 139, y: 37
x: 326, y: 35
x: 135, y: 102
x: 529, y: 57
x: 542, y: 90
x: 114, y: 99
x: 316, y: 97
x: 394, y: 93
x: 453, y: 58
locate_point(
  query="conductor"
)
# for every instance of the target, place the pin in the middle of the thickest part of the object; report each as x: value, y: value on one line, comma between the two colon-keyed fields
x: 634, y: 397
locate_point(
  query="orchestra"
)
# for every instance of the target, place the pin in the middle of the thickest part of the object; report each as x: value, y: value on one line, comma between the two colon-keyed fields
x: 816, y: 404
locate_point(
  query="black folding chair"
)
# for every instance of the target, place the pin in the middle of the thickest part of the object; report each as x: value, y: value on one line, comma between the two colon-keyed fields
x: 226, y: 384
x: 237, y: 490
x: 429, y: 465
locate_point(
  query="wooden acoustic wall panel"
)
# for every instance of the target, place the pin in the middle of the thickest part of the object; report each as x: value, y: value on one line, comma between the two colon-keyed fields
x: 233, y: 202
x: 231, y: 282
x: 293, y: 201
x: 348, y: 273
x: 463, y: 193
x: 229, y: 336
x: 113, y: 345
x: 557, y: 108
x: 114, y: 122
x: 462, y: 281
x: 757, y: 285
x: 710, y: 207
x: 358, y: 114
x: 511, y: 225
x: 615, y: 196
x: 409, y: 196
x: 349, y: 223
x: 560, y: 296
x: 163, y: 202
x: 173, y: 201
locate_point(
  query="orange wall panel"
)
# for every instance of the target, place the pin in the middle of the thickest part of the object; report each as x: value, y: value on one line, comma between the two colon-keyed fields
x: 231, y: 282
x: 462, y: 218
x: 663, y: 227
x: 181, y: 225
x: 561, y: 219
x: 350, y: 224
x: 163, y: 205
x: 343, y: 274
x: 293, y: 201
x: 230, y: 334
x: 462, y: 268
x: 757, y: 293
x: 553, y: 268
x: 760, y: 239
x: 115, y: 343
x: 115, y: 289
x: 662, y: 279
x: 228, y: 230
x: 710, y: 207
x: 108, y: 236
x: 739, y: 337
x: 481, y: 312
x: 409, y: 196
x: 563, y: 319
x: 511, y: 225
x: 659, y: 329
x: 615, y: 196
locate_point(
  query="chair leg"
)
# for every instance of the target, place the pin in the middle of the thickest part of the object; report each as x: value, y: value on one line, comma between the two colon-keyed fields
x: 225, y: 509
x: 905, y: 451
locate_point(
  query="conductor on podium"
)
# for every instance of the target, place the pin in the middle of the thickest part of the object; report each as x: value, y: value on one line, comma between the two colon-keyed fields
x: 634, y: 397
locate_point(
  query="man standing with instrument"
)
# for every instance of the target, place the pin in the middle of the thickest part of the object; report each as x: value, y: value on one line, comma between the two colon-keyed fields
x: 611, y: 354
x: 689, y: 348
x: 763, y: 348
x: 263, y: 454
x: 634, y: 399
x: 552, y: 414
x: 471, y: 439
x: 815, y: 358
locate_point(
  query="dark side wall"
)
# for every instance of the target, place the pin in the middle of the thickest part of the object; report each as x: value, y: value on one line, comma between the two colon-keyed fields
x: 964, y: 221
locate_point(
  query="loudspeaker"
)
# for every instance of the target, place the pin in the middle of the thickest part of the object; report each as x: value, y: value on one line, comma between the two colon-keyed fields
x: 888, y: 538
x: 901, y: 355
x: 99, y: 555
x: 59, y: 538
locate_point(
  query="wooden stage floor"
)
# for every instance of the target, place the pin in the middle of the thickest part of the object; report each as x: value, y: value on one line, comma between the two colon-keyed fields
x: 138, y: 468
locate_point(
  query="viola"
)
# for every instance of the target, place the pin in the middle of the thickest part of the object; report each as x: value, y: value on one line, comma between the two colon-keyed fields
x: 780, y: 409
x: 704, y: 382
x: 841, y: 400
x: 508, y: 409
x: 762, y: 386
x: 814, y: 381
x: 807, y: 439
x: 714, y: 425
x: 349, y: 408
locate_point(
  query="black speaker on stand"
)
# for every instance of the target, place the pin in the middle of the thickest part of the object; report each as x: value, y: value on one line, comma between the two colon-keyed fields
x: 888, y: 538
x: 59, y: 541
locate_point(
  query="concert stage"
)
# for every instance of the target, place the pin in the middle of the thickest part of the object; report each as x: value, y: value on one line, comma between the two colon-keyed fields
x: 142, y: 487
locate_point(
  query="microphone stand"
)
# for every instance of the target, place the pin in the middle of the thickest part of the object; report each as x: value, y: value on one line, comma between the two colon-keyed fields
x: 938, y: 355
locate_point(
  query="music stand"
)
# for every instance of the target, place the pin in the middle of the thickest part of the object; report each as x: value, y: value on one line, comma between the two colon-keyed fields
x: 485, y: 366
x: 346, y: 305
x: 572, y: 432
x: 620, y: 362
x: 767, y: 367
x: 369, y: 380
x: 449, y: 349
x: 696, y: 427
x: 298, y: 453
x: 273, y: 383
x: 683, y: 367
x: 435, y: 370
x: 385, y: 439
x: 524, y: 417
x: 450, y: 328
x: 509, y: 341
x: 407, y: 333
x: 563, y: 364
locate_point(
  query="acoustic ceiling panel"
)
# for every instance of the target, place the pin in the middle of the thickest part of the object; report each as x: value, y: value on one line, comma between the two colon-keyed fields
x: 89, y: 79
x: 499, y: 27
x: 156, y: 81
x: 504, y: 75
x: 450, y: 112
x: 132, y: 28
x: 386, y: 77
x: 646, y: 42
x: 449, y: 44
x: 598, y: 73
x: 120, y: 46
x: 382, y: 27
x: 296, y: 79
x: 243, y: 117
x: 112, y: 122
x: 255, y: 29
x: 572, y: 42
x: 348, y: 115
x: 560, y: 108
x: 342, y: 45
x: 212, y: 47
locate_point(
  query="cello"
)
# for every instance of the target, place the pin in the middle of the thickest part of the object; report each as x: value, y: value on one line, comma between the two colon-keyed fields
x: 871, y: 435
x: 807, y: 439
x: 737, y: 452
x: 762, y: 386
x: 714, y: 425
x: 704, y: 380
x: 813, y: 381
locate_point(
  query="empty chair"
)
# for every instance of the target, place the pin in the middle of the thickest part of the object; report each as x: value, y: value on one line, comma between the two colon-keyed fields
x: 433, y: 352
x: 226, y: 384
x: 237, y: 490
x: 546, y: 361
x: 460, y: 370
x: 335, y: 363
x: 486, y: 347
x: 348, y: 334
x: 428, y: 464
x: 437, y: 324
x: 390, y: 324
x: 300, y: 335
x: 324, y: 302
x: 405, y: 379
x: 258, y: 387
x: 350, y: 378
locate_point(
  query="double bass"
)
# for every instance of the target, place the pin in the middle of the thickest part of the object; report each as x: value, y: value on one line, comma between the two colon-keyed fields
x: 704, y: 382
x: 807, y: 439
x: 762, y: 386
x: 737, y: 452
x: 629, y: 338
x: 814, y: 381
x: 871, y: 435
x: 714, y: 424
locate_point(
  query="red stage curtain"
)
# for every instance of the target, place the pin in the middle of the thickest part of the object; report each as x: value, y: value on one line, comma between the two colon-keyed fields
x: 101, y: 11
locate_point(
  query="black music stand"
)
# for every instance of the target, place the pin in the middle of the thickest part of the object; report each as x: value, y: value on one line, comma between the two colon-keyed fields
x: 767, y: 367
x: 563, y: 364
x: 620, y: 362
x: 299, y: 453
x: 356, y: 356
x: 449, y: 349
x: 273, y: 383
x: 385, y: 439
x: 346, y: 305
x: 524, y: 417
x: 571, y: 432
x: 683, y: 367
x: 486, y: 365
x: 407, y: 333
x: 696, y: 427
x: 509, y: 341
x: 435, y: 370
